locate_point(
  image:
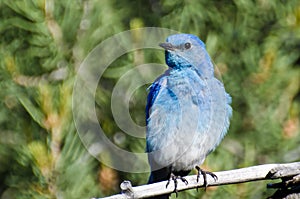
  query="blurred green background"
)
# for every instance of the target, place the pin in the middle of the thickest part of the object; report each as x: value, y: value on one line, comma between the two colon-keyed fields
x: 255, y: 44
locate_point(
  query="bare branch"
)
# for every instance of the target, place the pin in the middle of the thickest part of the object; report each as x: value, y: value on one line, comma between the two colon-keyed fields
x: 254, y: 173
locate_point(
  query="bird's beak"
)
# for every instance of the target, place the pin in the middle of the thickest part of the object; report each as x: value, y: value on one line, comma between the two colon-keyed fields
x: 167, y: 46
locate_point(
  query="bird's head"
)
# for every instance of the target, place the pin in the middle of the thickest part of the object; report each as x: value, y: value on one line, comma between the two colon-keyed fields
x: 186, y: 50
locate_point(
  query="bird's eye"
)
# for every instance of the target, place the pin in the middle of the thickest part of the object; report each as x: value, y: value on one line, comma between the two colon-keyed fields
x: 187, y: 45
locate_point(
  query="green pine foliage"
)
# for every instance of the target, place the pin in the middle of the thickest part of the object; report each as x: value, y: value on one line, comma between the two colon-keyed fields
x: 254, y: 44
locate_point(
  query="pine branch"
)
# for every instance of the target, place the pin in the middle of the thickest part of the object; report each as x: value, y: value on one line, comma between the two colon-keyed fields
x: 289, y: 173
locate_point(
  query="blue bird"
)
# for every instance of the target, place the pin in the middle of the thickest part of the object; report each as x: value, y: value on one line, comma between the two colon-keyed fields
x: 187, y: 112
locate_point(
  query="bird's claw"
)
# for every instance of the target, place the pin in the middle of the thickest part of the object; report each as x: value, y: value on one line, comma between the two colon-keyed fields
x: 175, y: 178
x: 204, y: 173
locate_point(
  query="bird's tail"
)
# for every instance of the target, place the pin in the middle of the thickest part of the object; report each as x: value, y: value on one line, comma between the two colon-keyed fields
x: 158, y: 176
x: 160, y: 197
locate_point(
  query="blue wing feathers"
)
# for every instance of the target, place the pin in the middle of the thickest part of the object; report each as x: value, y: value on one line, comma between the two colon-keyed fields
x: 153, y: 92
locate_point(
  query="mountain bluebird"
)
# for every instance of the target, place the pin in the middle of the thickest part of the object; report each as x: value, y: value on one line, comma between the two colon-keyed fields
x: 187, y: 112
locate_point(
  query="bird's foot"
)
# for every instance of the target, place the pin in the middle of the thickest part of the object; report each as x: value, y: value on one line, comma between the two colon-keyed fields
x: 204, y: 173
x: 175, y: 178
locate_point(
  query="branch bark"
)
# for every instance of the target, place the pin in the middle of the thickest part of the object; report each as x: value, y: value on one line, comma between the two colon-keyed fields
x: 290, y: 173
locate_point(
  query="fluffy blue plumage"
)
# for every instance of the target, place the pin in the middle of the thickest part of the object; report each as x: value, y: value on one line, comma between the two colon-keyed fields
x: 188, y: 110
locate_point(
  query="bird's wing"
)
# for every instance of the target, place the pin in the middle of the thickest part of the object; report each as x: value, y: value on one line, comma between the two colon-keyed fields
x: 153, y: 92
x: 160, y: 109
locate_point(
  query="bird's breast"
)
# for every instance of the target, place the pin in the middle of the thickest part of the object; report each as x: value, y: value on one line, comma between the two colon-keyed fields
x: 187, y: 120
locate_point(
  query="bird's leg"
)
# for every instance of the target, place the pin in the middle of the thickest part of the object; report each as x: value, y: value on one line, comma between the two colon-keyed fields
x: 175, y: 178
x: 204, y: 173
